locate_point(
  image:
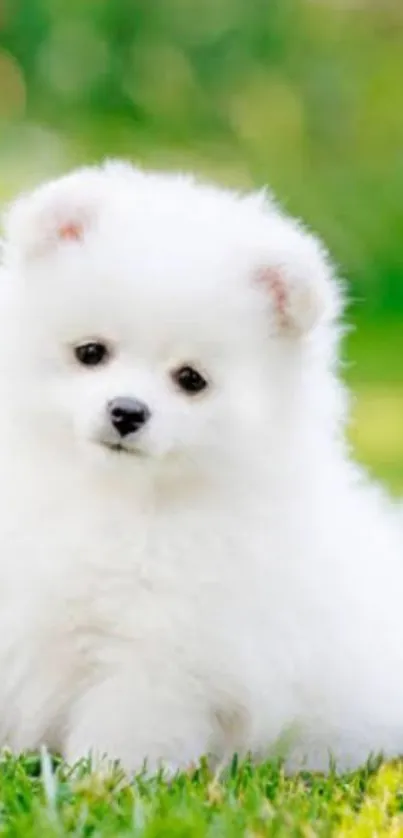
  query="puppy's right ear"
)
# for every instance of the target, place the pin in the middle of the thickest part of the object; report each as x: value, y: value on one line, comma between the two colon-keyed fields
x: 59, y: 213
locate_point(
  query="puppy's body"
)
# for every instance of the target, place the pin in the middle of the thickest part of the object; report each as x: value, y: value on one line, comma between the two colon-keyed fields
x: 226, y: 580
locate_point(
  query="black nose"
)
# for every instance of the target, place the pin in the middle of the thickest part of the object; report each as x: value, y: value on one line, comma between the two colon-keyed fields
x: 128, y: 415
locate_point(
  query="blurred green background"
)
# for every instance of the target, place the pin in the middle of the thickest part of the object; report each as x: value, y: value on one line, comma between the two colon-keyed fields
x: 306, y: 95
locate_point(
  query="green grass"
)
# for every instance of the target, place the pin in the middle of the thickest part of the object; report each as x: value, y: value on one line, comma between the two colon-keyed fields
x: 41, y: 801
x: 44, y: 802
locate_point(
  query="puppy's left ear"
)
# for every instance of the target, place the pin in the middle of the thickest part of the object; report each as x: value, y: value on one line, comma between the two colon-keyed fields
x: 296, y: 276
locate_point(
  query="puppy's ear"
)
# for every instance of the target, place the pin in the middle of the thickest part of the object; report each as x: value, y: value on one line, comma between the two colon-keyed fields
x: 297, y: 279
x: 56, y: 214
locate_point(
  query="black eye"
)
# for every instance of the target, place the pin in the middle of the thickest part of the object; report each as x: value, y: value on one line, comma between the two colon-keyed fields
x: 189, y: 380
x: 91, y: 354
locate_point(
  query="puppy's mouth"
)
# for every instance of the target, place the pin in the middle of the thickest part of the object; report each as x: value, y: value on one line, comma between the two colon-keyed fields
x: 118, y: 448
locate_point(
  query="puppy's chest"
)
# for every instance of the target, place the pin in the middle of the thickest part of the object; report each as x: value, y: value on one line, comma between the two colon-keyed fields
x: 126, y: 571
x: 107, y: 576
x: 156, y: 570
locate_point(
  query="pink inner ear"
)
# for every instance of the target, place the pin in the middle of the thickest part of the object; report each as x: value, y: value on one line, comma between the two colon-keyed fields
x: 72, y: 231
x: 272, y: 279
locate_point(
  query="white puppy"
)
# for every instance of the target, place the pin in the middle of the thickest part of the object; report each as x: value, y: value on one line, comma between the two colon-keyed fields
x: 190, y: 564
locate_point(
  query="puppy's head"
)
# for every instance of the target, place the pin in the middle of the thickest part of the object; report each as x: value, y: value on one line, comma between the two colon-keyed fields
x: 156, y: 319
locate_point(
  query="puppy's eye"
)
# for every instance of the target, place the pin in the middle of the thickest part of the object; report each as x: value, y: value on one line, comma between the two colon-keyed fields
x: 189, y: 380
x: 92, y: 353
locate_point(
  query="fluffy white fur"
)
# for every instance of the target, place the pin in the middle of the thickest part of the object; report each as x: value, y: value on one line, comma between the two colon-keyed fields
x: 229, y: 581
